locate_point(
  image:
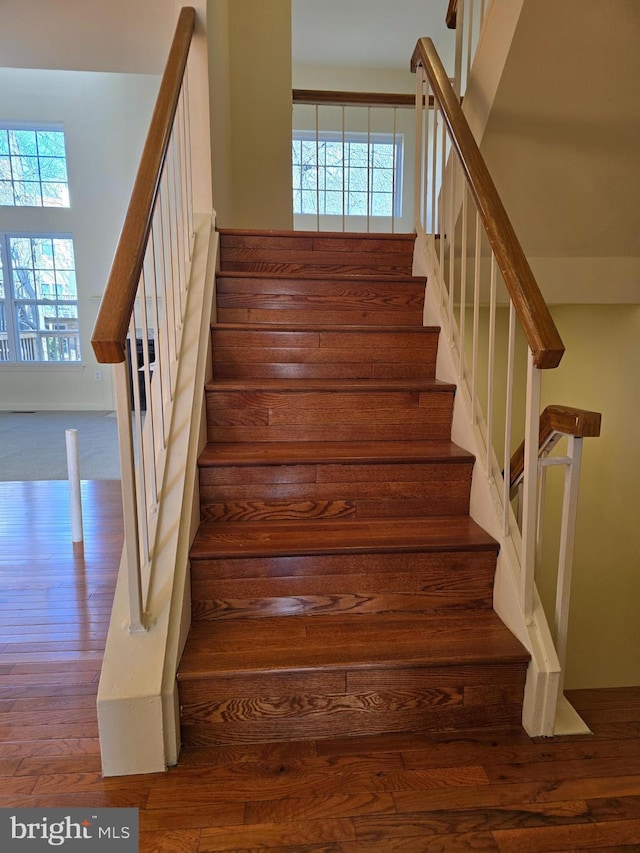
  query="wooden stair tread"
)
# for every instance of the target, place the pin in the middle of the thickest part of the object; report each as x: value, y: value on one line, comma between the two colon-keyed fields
x: 329, y: 385
x: 297, y: 643
x: 343, y: 452
x: 390, y: 535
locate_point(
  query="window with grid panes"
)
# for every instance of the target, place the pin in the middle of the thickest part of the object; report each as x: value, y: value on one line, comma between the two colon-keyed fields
x: 350, y: 174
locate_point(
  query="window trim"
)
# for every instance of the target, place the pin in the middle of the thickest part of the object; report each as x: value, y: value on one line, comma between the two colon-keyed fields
x: 35, y: 126
x: 368, y: 137
x: 9, y: 301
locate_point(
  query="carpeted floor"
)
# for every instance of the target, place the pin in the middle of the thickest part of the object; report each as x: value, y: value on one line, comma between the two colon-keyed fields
x: 33, y: 446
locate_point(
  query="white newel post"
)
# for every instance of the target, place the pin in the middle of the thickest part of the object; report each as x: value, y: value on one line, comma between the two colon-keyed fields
x: 73, y: 473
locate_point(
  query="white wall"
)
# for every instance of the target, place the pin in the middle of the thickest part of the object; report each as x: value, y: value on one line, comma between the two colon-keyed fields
x: 105, y: 118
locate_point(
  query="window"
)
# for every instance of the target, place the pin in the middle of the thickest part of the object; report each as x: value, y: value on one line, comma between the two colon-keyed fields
x: 351, y: 174
x: 33, y: 168
x: 38, y: 299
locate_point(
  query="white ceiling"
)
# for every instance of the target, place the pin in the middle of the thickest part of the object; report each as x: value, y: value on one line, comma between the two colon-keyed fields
x: 367, y: 33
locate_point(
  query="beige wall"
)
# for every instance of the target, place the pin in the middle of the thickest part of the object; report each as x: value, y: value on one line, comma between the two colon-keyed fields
x: 561, y: 143
x: 598, y: 372
x: 250, y: 72
x: 260, y: 98
x: 87, y: 35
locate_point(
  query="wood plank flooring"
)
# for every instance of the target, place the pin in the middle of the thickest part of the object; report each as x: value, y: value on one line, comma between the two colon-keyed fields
x: 481, y: 791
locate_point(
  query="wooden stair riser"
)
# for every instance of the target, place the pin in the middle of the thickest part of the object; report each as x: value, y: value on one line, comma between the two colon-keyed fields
x: 249, y: 353
x: 243, y: 298
x: 436, y: 569
x: 308, y: 253
x: 311, y: 263
x: 401, y: 591
x: 259, y: 708
x: 334, y: 491
x: 328, y: 415
x: 309, y: 241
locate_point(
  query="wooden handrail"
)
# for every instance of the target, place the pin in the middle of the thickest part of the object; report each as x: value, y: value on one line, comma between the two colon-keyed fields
x: 540, y: 330
x: 451, y: 19
x: 110, y: 331
x: 564, y: 419
x: 356, y: 99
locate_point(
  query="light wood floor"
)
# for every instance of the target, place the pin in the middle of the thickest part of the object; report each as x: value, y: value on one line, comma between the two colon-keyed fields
x: 481, y: 792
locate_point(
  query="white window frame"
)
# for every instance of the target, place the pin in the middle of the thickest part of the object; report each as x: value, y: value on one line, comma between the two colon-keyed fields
x: 14, y: 181
x: 322, y: 136
x: 13, y: 347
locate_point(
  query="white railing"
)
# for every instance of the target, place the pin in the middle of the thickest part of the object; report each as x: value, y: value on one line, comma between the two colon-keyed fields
x: 574, y: 425
x: 139, y: 326
x: 466, y: 17
x: 500, y: 337
x: 350, y: 156
x: 471, y: 246
x: 36, y: 346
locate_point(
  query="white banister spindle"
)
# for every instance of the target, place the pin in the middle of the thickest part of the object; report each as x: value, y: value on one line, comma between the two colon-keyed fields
x: 160, y: 309
x: 435, y: 210
x: 452, y: 244
x: 129, y: 498
x: 159, y: 386
x: 317, y: 168
x: 442, y: 220
x: 459, y: 50
x: 179, y: 231
x: 476, y: 321
x: 429, y: 224
x: 145, y: 368
x: 184, y: 196
x: 168, y: 283
x: 530, y: 488
x: 491, y: 365
x: 394, y: 171
x: 139, y: 449
x: 463, y: 282
x: 508, y: 418
x: 420, y: 157
x: 469, y: 56
x: 369, y: 196
x: 567, y: 541
x: 344, y: 166
x: 189, y: 170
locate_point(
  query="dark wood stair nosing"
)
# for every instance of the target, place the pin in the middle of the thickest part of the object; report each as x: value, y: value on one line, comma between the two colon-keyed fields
x: 409, y: 236
x: 320, y: 327
x: 356, y: 278
x: 296, y: 538
x: 331, y: 385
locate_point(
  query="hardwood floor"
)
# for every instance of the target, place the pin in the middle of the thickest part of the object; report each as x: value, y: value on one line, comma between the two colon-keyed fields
x: 481, y: 791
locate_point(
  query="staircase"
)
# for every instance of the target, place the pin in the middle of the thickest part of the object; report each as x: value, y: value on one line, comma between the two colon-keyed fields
x: 339, y: 586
